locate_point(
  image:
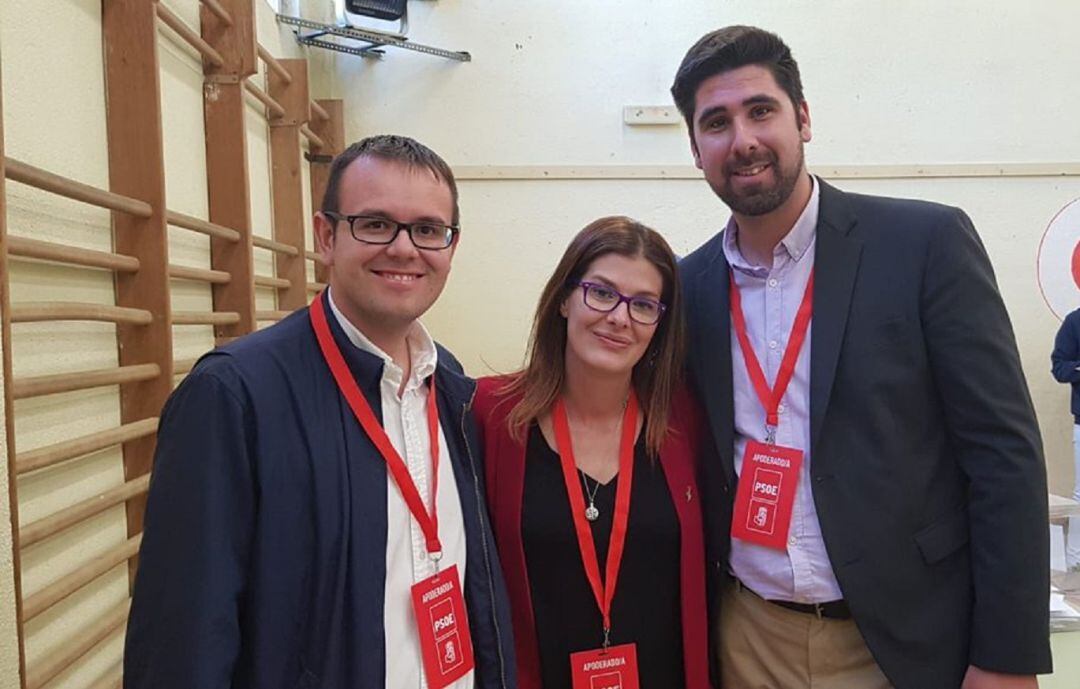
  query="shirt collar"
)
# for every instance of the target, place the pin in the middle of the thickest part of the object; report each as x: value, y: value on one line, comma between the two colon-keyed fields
x: 422, y: 352
x: 795, y: 243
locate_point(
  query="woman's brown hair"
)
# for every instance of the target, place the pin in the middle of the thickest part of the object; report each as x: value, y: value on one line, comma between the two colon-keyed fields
x: 654, y: 377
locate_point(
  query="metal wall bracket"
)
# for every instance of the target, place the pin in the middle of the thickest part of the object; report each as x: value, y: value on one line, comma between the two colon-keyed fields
x: 374, y: 41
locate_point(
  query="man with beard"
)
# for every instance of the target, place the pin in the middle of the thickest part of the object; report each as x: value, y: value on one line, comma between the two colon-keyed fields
x: 876, y: 510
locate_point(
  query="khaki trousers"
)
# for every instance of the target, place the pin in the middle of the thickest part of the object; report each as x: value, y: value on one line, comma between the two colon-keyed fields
x: 765, y: 646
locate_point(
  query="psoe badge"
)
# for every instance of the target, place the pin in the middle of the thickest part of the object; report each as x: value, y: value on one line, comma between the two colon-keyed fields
x: 443, y: 627
x: 768, y: 478
x: 614, y: 667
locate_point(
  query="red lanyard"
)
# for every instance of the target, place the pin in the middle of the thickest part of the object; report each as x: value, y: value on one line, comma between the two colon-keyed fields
x: 770, y: 397
x: 429, y: 523
x: 603, y: 592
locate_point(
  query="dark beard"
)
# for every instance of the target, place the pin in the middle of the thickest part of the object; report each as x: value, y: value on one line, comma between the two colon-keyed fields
x: 766, y: 200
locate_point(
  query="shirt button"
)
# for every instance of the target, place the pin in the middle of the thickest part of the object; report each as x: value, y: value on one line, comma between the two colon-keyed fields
x: 773, y: 282
x: 792, y: 540
x: 772, y: 344
x: 780, y: 409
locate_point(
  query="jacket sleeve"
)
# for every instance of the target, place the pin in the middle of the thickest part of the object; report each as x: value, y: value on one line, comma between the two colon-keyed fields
x: 995, y: 439
x: 1065, y: 358
x: 184, y: 629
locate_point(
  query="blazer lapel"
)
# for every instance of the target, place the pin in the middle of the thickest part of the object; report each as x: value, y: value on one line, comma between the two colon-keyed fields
x: 836, y: 263
x: 713, y: 353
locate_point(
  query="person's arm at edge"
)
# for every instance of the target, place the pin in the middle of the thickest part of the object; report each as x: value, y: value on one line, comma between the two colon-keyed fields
x: 994, y: 434
x: 1065, y: 359
x: 184, y: 629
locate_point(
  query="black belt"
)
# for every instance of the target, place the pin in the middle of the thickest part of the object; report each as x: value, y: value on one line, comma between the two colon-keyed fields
x: 832, y: 610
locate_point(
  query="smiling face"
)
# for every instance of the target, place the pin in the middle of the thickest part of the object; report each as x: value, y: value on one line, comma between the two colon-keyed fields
x: 610, y: 343
x: 383, y: 289
x: 748, y: 140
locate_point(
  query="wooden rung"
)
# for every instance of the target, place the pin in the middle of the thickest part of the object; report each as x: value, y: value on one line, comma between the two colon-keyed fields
x: 273, y: 64
x: 271, y: 315
x: 320, y: 112
x: 49, y: 455
x: 68, y: 584
x: 314, y: 256
x: 316, y: 286
x: 189, y: 222
x: 267, y: 281
x: 113, y: 678
x: 67, y: 382
x: 205, y: 317
x: 102, y: 630
x: 34, y: 311
x: 264, y: 243
x: 311, y: 137
x: 181, y: 366
x: 188, y: 34
x: 81, y: 511
x: 219, y: 11
x: 19, y: 171
x: 214, y: 277
x: 275, y: 108
x: 49, y: 251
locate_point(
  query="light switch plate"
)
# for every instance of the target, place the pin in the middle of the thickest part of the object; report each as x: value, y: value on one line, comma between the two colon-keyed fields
x: 635, y: 115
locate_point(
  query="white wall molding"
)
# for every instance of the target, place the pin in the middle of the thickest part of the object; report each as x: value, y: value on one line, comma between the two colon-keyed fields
x: 654, y: 172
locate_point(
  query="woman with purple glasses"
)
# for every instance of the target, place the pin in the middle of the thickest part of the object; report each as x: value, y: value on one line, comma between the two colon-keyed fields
x: 590, y: 453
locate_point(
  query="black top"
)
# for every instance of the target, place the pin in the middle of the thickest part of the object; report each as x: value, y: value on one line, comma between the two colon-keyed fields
x: 646, y: 609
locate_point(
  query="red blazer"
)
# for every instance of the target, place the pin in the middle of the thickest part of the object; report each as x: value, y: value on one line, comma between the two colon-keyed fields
x: 505, y: 473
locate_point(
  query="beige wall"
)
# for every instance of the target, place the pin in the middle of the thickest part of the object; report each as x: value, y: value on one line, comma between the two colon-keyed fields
x: 9, y: 640
x: 54, y: 118
x: 39, y: 128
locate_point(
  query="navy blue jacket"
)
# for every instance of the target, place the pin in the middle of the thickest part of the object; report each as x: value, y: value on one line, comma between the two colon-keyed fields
x: 927, y: 467
x: 263, y: 561
x: 1066, y: 358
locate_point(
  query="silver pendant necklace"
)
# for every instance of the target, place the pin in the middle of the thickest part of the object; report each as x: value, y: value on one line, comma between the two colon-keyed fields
x: 591, y: 513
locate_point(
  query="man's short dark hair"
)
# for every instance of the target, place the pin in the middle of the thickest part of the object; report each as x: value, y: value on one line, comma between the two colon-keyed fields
x: 390, y: 147
x: 730, y: 48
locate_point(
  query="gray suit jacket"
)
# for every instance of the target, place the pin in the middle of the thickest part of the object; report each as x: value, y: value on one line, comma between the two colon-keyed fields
x: 927, y: 465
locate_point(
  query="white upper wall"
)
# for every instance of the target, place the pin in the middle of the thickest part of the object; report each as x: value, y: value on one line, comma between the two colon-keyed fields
x: 920, y: 81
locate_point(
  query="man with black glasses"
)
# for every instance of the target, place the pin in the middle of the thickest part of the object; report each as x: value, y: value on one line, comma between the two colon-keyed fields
x: 315, y: 518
